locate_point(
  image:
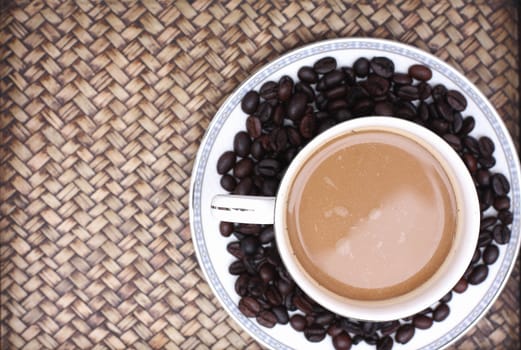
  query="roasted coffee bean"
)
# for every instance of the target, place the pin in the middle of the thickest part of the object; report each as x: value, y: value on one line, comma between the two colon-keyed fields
x: 376, y: 85
x: 424, y: 90
x: 361, y: 67
x: 241, y: 285
x: 285, y: 88
x: 281, y: 314
x: 402, y: 79
x: 483, y: 177
x: 439, y: 92
x: 382, y: 66
x: 264, y: 111
x: 502, y: 203
x: 468, y: 125
x: 228, y: 182
x: 486, y: 146
x: 298, y: 322
x: 420, y: 72
x: 307, y: 91
x: 253, y: 126
x: 278, y: 139
x: 470, y: 161
x: 505, y: 216
x: 314, y: 333
x: 335, y: 105
x: 268, y: 167
x: 336, y: 92
x: 267, y: 319
x: 286, y: 289
x: 461, y: 286
x: 333, y: 78
x: 249, y: 229
x: 273, y: 296
x: 278, y: 115
x: 453, y: 141
x: 408, y: 92
x: 324, y: 65
x: 490, y: 254
x: 486, y: 222
x: 404, y: 334
x: 302, y: 304
x: 471, y: 144
x: 267, y: 235
x: 234, y: 248
x: 422, y: 322
x: 243, y: 168
x: 441, y: 312
x: 479, y: 274
x: 225, y: 162
x: 385, y: 343
x: 307, y: 126
x: 256, y: 288
x: 249, y: 102
x: 484, y: 238
x: 500, y: 184
x: 487, y: 162
x: 256, y: 150
x: 263, y: 303
x: 423, y: 111
x: 249, y: 306
x: 324, y: 318
x: 445, y: 111
x: 440, y: 127
x: 264, y: 140
x: 456, y: 100
x: 433, y: 112
x: 294, y: 137
x: 389, y: 327
x: 342, y: 341
x: 249, y: 245
x: 242, y: 144
x: 334, y: 329
x: 297, y: 106
x: 501, y: 234
x: 350, y: 75
x: 269, y: 90
x: 457, y: 123
x: 236, y: 268
x: 226, y: 228
x: 307, y: 75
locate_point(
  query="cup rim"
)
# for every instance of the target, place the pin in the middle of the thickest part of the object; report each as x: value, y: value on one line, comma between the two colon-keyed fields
x: 457, y: 260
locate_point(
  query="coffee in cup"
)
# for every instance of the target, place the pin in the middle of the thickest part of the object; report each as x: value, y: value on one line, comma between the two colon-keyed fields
x: 371, y: 215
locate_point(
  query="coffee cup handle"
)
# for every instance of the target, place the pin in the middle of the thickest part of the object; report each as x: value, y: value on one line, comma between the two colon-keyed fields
x: 243, y: 209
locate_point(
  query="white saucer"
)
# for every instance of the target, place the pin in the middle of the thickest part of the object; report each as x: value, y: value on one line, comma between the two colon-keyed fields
x: 210, y: 246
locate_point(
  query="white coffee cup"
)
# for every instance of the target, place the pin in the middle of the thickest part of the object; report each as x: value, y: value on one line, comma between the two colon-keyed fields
x: 272, y: 210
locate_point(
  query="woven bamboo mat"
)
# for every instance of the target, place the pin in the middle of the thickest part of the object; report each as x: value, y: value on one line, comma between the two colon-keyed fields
x: 103, y: 108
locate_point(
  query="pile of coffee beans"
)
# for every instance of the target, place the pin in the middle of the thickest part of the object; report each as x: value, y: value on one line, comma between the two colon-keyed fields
x: 282, y: 117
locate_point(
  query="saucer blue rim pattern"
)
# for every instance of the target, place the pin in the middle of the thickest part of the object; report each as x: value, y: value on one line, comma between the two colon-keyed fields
x: 331, y: 46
